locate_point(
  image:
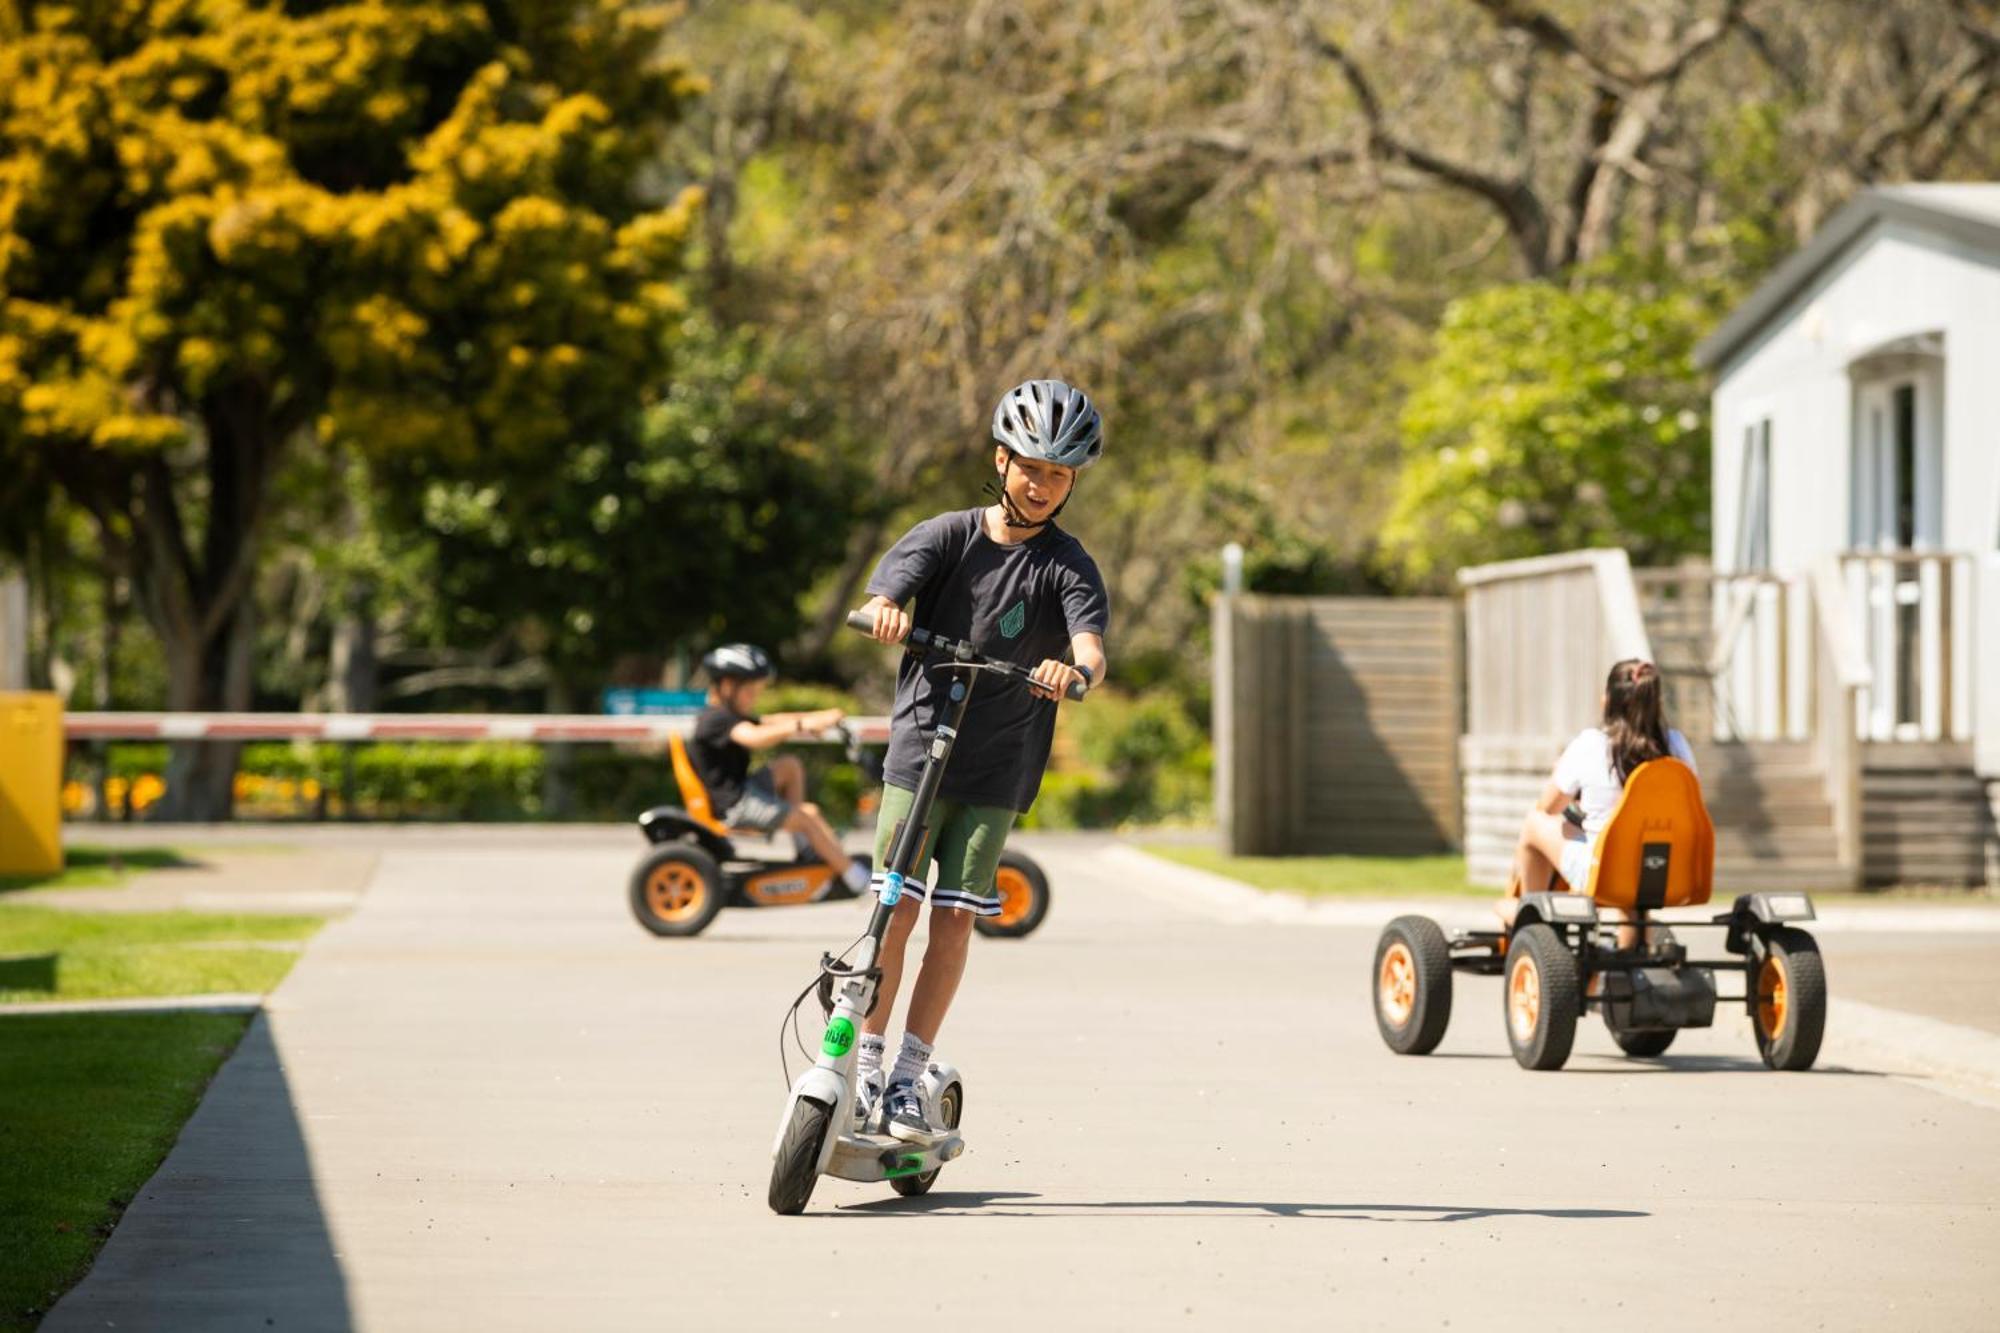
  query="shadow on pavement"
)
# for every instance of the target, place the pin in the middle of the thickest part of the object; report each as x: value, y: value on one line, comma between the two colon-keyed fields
x: 1006, y: 1203
x: 229, y: 1233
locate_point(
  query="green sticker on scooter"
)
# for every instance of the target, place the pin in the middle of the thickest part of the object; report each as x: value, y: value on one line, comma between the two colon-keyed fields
x: 839, y: 1037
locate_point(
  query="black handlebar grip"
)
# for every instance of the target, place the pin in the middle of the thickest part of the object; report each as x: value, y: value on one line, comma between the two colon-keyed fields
x: 1077, y: 689
x: 862, y: 621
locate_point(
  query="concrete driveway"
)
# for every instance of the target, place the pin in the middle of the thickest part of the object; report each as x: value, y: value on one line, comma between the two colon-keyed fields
x: 487, y: 1100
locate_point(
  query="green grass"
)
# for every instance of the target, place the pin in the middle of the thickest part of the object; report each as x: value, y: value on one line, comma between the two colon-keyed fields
x: 50, y: 954
x: 1331, y: 876
x: 100, y: 867
x: 89, y: 1106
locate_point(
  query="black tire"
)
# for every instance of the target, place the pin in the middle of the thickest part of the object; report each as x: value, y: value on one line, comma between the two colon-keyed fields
x: 1016, y: 922
x: 676, y: 890
x: 1642, y: 1044
x: 1541, y: 1033
x: 796, y: 1169
x: 1791, y: 957
x: 1412, y: 1007
x: 951, y: 1109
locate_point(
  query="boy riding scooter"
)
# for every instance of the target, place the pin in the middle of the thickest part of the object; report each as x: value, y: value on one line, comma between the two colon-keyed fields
x: 1007, y: 580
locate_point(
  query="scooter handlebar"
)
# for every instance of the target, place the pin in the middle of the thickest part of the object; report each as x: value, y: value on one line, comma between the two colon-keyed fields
x: 865, y: 623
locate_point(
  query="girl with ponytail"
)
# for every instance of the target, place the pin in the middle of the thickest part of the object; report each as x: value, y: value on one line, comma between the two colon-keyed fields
x: 1561, y: 830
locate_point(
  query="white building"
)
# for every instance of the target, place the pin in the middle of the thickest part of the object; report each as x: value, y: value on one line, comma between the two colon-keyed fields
x: 1857, y: 481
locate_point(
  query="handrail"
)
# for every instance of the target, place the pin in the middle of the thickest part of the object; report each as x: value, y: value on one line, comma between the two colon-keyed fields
x: 1837, y: 632
x: 1536, y: 566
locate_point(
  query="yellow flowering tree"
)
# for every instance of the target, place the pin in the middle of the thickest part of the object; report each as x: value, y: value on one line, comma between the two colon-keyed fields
x: 438, y: 234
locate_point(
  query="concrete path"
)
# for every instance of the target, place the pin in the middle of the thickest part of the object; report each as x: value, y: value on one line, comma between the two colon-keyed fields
x: 487, y: 1100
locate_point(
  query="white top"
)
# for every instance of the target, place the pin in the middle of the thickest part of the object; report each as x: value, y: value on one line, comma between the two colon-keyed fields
x: 1585, y: 773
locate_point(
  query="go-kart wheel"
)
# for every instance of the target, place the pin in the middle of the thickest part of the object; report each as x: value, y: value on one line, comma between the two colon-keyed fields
x: 1412, y: 985
x: 1024, y: 899
x: 677, y: 890
x: 951, y: 1106
x: 1790, y: 1011
x: 1644, y: 1044
x: 795, y: 1170
x: 1542, y: 997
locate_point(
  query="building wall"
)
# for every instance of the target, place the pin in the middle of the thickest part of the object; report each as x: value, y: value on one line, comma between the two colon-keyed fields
x: 1890, y: 284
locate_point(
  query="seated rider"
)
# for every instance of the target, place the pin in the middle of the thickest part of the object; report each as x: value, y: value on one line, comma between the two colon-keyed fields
x: 772, y: 798
x: 1587, y: 782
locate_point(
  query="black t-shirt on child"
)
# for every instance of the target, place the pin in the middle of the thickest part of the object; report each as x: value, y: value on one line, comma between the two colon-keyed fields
x: 1021, y: 603
x: 720, y: 763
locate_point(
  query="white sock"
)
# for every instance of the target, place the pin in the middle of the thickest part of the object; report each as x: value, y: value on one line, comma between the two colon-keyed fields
x: 870, y: 1061
x: 910, y: 1061
x: 856, y: 876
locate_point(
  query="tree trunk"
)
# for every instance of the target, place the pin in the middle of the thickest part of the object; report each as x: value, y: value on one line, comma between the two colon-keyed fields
x: 202, y: 600
x: 351, y: 667
x: 215, y: 678
x: 558, y: 799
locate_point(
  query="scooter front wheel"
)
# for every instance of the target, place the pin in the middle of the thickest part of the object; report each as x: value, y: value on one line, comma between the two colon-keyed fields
x: 795, y: 1170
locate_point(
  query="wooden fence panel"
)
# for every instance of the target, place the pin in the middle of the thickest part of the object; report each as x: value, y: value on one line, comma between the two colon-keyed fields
x: 1336, y: 724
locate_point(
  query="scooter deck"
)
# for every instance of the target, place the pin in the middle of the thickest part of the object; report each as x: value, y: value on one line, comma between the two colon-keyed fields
x: 879, y: 1157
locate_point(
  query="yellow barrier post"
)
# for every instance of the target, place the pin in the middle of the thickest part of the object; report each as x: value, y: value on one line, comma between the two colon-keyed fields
x: 31, y: 765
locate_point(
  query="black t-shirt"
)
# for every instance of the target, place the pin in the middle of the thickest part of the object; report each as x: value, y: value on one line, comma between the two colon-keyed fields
x: 719, y: 762
x: 1021, y: 603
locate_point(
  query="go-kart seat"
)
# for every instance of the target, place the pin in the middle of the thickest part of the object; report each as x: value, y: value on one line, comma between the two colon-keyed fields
x: 694, y: 793
x: 1658, y: 848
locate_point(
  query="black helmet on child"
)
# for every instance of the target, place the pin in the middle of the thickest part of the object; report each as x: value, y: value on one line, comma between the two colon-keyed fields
x: 1049, y: 420
x: 737, y: 661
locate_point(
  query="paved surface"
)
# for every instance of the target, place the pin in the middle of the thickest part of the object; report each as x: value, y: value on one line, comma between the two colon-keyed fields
x: 486, y: 1099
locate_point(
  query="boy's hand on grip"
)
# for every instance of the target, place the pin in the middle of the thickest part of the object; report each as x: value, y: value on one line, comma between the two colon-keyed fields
x: 1055, y: 680
x: 892, y: 622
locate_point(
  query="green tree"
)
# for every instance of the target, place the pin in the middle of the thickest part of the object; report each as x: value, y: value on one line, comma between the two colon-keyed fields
x: 706, y: 521
x: 432, y: 233
x: 1555, y: 417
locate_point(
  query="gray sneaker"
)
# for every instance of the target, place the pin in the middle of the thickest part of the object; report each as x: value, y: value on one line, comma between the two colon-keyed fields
x: 904, y: 1112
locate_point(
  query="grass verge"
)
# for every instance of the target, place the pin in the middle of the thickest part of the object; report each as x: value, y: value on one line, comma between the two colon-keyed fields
x: 1331, y: 876
x: 50, y: 954
x: 88, y: 1109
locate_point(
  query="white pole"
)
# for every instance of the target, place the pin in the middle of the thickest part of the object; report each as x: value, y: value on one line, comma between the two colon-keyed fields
x: 1232, y: 569
x: 13, y: 632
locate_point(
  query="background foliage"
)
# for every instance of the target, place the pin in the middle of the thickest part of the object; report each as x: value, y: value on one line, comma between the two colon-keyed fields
x: 409, y: 355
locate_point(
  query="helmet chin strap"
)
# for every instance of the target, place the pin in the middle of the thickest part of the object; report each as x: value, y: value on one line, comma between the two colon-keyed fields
x: 1009, y: 511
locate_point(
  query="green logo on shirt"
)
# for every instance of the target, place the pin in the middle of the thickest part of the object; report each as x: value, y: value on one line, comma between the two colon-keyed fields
x: 1012, y: 622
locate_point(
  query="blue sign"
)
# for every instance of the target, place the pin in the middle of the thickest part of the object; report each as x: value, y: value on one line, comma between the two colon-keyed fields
x: 628, y: 701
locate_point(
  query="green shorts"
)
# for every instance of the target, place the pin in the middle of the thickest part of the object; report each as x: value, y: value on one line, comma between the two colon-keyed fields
x: 964, y: 841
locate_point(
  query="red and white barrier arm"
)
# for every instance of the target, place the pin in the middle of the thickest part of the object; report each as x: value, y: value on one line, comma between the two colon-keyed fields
x: 540, y: 728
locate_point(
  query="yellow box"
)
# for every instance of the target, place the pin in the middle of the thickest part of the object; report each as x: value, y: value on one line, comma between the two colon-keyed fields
x: 31, y: 765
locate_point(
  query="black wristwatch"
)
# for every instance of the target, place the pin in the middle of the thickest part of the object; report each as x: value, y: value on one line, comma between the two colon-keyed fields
x: 1089, y: 676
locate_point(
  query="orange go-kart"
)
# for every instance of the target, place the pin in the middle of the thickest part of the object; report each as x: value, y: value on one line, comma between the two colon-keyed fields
x: 696, y: 867
x: 1561, y: 957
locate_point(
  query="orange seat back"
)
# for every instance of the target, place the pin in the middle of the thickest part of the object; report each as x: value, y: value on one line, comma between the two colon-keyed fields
x: 694, y: 793
x: 1658, y: 848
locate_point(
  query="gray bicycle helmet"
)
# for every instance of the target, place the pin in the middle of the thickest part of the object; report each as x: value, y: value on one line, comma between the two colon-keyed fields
x: 737, y: 661
x: 1049, y: 420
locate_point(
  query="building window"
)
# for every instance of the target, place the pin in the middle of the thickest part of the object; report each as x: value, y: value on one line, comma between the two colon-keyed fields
x: 1753, y: 515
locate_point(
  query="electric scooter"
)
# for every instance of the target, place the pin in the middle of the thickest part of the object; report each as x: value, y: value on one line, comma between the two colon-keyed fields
x: 818, y: 1134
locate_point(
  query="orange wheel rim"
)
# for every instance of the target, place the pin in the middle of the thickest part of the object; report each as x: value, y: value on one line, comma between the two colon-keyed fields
x: 1396, y: 984
x: 1772, y: 1000
x: 674, y: 891
x: 1017, y: 896
x: 1524, y: 998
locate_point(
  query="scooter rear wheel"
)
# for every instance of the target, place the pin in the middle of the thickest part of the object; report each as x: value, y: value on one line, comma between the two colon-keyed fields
x: 796, y: 1169
x: 951, y: 1105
